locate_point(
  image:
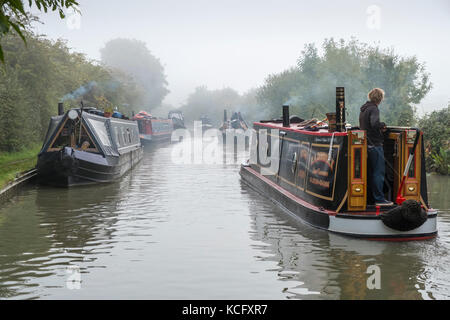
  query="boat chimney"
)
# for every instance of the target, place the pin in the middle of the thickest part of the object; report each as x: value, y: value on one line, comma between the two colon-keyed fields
x: 340, y: 109
x: 286, y: 122
x: 60, y: 109
x: 225, y: 115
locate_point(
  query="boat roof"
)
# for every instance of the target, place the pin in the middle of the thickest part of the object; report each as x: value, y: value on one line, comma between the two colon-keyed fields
x: 294, y: 127
x: 105, y: 131
x: 143, y: 115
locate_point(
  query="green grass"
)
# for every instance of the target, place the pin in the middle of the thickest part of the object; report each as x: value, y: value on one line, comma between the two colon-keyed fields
x: 14, y: 163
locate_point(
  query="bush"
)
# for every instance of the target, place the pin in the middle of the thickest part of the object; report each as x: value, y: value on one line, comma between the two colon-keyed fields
x: 436, y: 128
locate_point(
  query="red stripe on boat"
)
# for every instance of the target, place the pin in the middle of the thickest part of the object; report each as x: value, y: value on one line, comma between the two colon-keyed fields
x: 288, y: 194
x: 402, y: 239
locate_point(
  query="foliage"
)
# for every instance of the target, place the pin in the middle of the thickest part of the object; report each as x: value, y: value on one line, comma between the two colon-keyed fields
x: 38, y: 75
x: 436, y: 128
x: 144, y: 68
x: 212, y: 103
x: 441, y: 162
x: 13, y: 15
x: 310, y: 86
x: 13, y: 163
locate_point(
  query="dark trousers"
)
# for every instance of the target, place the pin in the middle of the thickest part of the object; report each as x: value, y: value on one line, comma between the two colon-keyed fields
x: 376, y: 171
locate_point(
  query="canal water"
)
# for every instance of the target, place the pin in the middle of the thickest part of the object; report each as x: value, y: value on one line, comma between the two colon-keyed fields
x: 195, y: 231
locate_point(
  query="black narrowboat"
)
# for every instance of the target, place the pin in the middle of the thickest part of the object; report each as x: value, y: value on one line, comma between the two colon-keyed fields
x: 318, y: 173
x: 84, y: 147
x: 153, y: 130
x: 236, y: 128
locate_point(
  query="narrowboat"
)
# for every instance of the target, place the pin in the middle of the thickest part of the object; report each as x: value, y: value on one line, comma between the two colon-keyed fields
x: 83, y: 146
x: 236, y: 122
x: 177, y: 118
x: 318, y: 173
x: 235, y: 127
x: 206, y: 123
x: 153, y: 130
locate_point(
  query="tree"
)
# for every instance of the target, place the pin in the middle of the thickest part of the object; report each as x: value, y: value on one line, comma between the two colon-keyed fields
x: 436, y: 132
x: 13, y: 15
x: 144, y: 68
x: 211, y: 103
x: 38, y: 75
x: 310, y: 86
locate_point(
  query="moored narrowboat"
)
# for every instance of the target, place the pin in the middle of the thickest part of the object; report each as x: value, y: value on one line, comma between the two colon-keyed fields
x: 83, y: 147
x: 318, y: 173
x: 153, y: 130
x: 177, y: 118
x: 235, y: 128
x: 206, y: 123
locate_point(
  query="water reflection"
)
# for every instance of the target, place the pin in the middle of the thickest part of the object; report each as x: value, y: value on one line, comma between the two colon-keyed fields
x: 439, y: 192
x: 44, y: 230
x: 319, y: 265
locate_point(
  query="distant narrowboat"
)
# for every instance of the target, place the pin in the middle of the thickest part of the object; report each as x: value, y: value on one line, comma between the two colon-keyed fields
x: 319, y: 174
x: 153, y: 130
x: 206, y: 123
x: 84, y: 147
x: 235, y: 127
x: 177, y: 118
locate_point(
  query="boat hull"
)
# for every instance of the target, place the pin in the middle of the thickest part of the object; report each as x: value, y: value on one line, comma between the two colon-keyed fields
x: 150, y: 139
x: 68, y: 167
x: 363, y: 225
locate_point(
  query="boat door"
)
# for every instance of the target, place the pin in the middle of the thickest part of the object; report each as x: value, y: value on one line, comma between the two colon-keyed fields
x: 357, y: 171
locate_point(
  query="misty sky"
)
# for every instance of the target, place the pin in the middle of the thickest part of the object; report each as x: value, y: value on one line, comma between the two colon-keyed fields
x: 230, y: 43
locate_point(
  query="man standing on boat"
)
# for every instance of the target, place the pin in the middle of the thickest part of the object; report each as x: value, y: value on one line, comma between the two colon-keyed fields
x: 369, y: 120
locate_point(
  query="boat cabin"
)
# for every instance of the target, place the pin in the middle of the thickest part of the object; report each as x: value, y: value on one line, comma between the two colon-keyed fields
x: 89, y: 131
x: 83, y: 146
x: 327, y: 165
x: 318, y: 172
x: 153, y: 129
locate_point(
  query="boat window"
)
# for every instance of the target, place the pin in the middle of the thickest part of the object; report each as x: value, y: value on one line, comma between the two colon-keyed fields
x: 357, y: 156
x: 141, y: 126
x: 129, y: 135
x: 289, y: 158
x: 84, y: 141
x: 63, y: 136
x: 412, y: 168
x: 101, y: 131
x: 69, y: 136
x: 321, y: 174
x: 124, y: 136
x: 302, y: 164
x: 118, y: 136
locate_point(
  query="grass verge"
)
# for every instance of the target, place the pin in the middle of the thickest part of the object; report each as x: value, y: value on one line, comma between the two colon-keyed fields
x: 14, y: 163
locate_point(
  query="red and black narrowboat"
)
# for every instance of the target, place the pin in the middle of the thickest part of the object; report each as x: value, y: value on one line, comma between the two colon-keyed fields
x: 318, y: 173
x: 153, y: 130
x: 83, y: 146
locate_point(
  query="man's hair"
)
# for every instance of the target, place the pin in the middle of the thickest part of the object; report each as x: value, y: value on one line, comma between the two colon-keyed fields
x: 376, y: 95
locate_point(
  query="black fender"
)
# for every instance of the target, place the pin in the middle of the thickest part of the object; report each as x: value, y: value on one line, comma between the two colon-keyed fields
x: 409, y: 216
